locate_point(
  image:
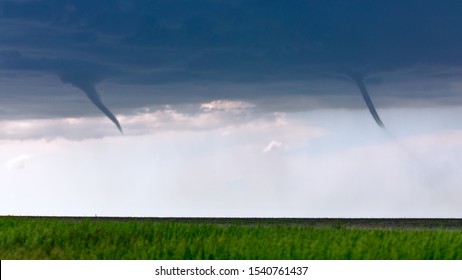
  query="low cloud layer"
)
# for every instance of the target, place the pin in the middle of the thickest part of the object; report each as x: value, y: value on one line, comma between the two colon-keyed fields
x: 220, y: 115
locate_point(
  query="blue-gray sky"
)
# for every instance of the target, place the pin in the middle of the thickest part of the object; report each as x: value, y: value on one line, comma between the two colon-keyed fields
x: 230, y: 108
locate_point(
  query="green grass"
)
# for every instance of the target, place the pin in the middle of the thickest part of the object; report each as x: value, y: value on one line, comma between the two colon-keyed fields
x: 87, y: 239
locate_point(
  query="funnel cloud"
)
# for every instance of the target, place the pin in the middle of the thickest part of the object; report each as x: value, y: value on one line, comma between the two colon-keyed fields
x: 359, y: 80
x: 80, y: 74
x: 90, y: 91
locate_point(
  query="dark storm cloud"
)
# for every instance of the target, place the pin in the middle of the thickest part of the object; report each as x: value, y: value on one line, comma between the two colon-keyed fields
x: 212, y: 41
x: 223, y: 35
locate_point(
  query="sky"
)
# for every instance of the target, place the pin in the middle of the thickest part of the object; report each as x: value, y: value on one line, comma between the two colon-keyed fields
x: 243, y: 108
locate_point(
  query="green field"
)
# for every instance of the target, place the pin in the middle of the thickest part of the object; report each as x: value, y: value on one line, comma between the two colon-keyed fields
x: 48, y: 238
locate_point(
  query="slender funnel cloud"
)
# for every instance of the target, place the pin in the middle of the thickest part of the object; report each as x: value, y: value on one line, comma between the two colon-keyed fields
x: 80, y: 74
x: 359, y: 80
x: 95, y: 98
x: 89, y: 89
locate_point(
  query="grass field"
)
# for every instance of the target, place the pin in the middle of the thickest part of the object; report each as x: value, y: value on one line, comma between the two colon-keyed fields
x: 55, y: 238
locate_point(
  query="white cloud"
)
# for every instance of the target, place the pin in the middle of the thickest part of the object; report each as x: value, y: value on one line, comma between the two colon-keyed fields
x: 227, y: 105
x: 18, y: 162
x: 272, y: 146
